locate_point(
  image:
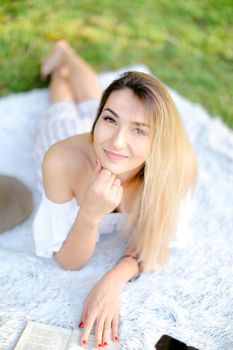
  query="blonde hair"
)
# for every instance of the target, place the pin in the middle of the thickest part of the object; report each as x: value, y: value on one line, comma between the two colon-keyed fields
x: 162, y: 178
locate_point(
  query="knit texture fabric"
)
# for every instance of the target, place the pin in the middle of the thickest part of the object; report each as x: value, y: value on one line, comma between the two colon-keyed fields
x: 190, y: 299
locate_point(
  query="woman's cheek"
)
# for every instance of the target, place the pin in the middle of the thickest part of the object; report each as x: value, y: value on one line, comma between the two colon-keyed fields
x: 141, y: 149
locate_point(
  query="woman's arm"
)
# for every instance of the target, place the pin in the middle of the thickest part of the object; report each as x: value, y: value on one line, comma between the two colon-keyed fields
x: 81, y: 239
x: 125, y: 270
x: 128, y: 267
x: 102, y: 195
x: 102, y: 303
x: 80, y: 243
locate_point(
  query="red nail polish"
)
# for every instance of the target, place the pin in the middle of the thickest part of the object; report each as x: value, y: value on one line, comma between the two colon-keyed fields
x: 81, y: 324
x: 105, y: 343
x: 116, y: 338
x: 100, y: 345
x: 84, y: 342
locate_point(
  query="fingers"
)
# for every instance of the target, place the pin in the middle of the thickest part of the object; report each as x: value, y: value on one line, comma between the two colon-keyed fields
x: 105, y: 176
x: 117, y: 190
x: 99, y: 332
x: 88, y: 324
x: 100, y: 174
x: 106, y: 332
x: 82, y: 318
x: 117, y: 181
x: 102, y: 331
x: 115, y: 335
x: 102, y: 327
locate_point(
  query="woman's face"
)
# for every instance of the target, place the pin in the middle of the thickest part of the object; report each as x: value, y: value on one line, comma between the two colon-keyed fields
x: 122, y: 136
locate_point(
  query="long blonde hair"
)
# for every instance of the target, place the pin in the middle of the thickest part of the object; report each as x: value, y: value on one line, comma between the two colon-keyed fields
x: 161, y: 179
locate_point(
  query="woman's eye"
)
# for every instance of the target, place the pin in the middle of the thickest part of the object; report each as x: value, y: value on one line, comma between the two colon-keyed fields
x: 109, y: 120
x: 140, y: 131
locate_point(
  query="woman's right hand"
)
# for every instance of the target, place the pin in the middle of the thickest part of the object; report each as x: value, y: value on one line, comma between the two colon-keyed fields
x: 103, y: 193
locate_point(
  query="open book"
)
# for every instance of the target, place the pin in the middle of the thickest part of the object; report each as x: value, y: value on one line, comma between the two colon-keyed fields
x: 39, y: 336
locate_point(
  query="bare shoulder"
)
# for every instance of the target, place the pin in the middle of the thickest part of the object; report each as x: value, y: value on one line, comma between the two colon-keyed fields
x: 65, y: 165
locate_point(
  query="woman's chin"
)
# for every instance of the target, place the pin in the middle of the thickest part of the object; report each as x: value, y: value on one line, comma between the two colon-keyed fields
x: 113, y: 168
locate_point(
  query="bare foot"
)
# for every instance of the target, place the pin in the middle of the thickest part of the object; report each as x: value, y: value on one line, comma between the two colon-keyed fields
x: 55, y: 59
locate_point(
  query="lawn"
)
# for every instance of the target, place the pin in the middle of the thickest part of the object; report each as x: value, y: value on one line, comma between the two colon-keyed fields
x: 186, y: 43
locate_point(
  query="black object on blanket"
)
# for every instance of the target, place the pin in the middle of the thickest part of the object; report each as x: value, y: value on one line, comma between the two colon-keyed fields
x: 166, y: 342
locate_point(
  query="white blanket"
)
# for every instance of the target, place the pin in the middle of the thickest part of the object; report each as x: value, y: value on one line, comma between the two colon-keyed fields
x: 191, y: 299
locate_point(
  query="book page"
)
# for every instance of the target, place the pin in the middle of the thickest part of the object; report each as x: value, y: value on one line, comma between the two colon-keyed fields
x: 74, y: 342
x: 39, y: 336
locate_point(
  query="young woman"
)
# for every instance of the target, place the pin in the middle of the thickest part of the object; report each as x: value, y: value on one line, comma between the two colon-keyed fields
x: 134, y: 161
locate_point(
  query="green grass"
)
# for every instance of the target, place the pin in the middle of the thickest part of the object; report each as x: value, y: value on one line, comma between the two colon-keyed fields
x: 186, y: 43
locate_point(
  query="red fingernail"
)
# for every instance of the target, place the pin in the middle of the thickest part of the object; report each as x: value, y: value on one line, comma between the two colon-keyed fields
x: 84, y: 342
x: 81, y: 324
x: 100, y: 345
x: 116, y: 338
x: 105, y: 343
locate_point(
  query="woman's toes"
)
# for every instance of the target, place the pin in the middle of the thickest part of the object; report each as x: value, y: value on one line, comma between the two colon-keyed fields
x: 55, y: 59
x: 62, y: 44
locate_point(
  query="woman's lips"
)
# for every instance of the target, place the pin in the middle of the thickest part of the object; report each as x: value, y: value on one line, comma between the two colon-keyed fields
x: 114, y: 156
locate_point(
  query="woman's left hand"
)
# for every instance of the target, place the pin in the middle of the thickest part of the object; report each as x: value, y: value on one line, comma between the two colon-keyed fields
x: 101, y: 307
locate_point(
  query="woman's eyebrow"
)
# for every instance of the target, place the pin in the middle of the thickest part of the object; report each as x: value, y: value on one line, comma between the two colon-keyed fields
x: 117, y: 116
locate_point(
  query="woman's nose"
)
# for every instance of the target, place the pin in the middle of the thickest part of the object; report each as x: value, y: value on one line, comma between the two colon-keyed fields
x: 119, y: 140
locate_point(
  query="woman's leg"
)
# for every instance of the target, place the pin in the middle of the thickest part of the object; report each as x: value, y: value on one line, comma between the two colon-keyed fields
x: 59, y: 87
x: 81, y: 78
x: 72, y: 80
